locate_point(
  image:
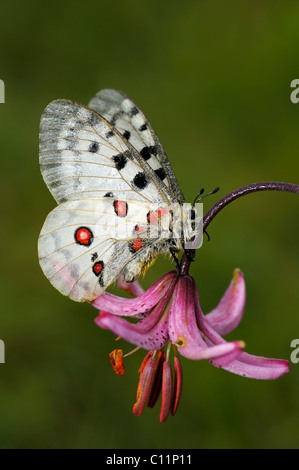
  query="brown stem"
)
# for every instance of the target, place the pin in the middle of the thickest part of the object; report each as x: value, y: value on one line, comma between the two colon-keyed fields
x: 189, y: 255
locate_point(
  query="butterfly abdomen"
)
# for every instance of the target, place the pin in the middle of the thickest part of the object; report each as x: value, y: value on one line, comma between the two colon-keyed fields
x: 144, y: 257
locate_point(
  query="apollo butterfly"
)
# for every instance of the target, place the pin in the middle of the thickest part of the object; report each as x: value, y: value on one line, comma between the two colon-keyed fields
x: 117, y: 195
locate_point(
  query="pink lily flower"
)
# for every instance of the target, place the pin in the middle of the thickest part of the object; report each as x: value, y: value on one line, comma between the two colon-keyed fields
x: 170, y: 317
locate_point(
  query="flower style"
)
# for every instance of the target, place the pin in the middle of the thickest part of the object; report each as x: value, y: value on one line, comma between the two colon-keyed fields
x: 170, y: 317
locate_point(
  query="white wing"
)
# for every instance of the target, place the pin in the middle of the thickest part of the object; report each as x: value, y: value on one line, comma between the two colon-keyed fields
x: 84, y: 245
x: 81, y: 155
x: 123, y: 113
x: 105, y: 190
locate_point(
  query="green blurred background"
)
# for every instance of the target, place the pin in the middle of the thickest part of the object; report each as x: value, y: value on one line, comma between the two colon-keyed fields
x: 214, y: 79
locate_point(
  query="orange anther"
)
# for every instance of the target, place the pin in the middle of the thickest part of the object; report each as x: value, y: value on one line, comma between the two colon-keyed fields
x: 116, y: 359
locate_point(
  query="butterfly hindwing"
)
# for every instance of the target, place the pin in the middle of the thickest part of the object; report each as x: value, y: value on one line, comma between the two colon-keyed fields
x: 85, y: 244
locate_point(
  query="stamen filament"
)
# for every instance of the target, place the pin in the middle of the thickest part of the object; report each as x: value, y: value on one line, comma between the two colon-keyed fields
x: 132, y: 352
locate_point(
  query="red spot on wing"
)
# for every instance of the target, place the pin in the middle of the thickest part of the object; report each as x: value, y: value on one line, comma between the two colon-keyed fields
x: 97, y: 267
x: 136, y: 244
x: 84, y: 236
x: 162, y: 212
x: 139, y: 229
x: 152, y: 218
x: 121, y: 208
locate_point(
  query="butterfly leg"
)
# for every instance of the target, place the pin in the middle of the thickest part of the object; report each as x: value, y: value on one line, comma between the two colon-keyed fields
x: 208, y: 236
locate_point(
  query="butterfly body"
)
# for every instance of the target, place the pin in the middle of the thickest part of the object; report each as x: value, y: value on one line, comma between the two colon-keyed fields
x: 119, y: 204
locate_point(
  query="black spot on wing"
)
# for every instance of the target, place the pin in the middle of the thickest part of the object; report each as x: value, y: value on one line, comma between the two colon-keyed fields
x: 153, y: 149
x: 127, y: 135
x: 147, y: 152
x: 140, y: 181
x: 92, y: 119
x: 115, y: 117
x: 54, y: 184
x: 160, y: 172
x: 94, y: 147
x: 109, y: 134
x: 120, y: 161
x: 143, y: 127
x: 133, y: 111
x: 110, y: 194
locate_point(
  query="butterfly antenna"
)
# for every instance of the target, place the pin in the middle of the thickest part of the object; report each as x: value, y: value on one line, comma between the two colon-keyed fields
x: 199, y: 197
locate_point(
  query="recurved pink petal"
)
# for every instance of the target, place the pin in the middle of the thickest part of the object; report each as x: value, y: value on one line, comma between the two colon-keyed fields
x: 207, y: 330
x: 134, y: 288
x: 257, y: 367
x: 228, y: 314
x: 132, y: 307
x: 246, y: 365
x: 135, y: 333
x: 224, y: 353
x: 184, y: 331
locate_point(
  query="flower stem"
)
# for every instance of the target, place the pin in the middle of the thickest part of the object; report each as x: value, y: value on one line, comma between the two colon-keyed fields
x: 189, y: 255
x: 243, y: 191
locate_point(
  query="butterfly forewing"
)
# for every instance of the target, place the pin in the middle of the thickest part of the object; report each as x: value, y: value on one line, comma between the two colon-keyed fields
x: 81, y: 154
x: 123, y: 113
